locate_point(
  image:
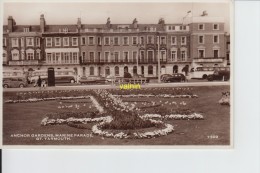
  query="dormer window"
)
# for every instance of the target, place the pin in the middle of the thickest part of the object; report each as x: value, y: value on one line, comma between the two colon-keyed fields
x: 65, y: 30
x: 26, y: 29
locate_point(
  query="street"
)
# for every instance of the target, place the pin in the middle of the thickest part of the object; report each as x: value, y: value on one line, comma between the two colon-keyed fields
x: 107, y: 86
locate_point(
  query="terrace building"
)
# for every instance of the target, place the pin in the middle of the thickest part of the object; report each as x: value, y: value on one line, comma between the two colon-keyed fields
x: 111, y: 49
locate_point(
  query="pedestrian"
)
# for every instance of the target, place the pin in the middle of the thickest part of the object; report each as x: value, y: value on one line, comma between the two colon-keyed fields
x: 39, y: 82
x: 44, y: 84
x: 78, y: 78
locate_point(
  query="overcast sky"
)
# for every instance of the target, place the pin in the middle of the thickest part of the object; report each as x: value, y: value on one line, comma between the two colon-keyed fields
x: 121, y: 13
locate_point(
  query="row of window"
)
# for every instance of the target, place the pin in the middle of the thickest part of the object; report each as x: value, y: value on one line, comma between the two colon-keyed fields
x: 28, y: 41
x: 62, y: 58
x: 115, y: 56
x: 202, y: 26
x: 201, y: 53
x: 116, y: 70
x: 26, y: 56
x: 201, y: 39
x: 65, y: 41
x: 124, y: 40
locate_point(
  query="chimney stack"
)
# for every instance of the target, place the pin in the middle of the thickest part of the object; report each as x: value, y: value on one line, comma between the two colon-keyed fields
x: 135, y: 23
x: 11, y: 24
x: 79, y: 23
x: 42, y: 23
x: 108, y: 24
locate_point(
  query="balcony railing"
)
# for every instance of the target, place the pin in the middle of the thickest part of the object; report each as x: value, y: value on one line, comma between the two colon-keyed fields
x: 209, y: 59
x: 123, y: 61
x: 24, y: 62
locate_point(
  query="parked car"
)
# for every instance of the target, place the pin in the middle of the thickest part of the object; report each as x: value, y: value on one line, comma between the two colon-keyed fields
x: 65, y: 79
x: 219, y: 75
x: 15, y: 82
x: 138, y: 76
x: 110, y: 78
x: 176, y: 77
x: 165, y: 76
x: 91, y: 79
x: 58, y: 79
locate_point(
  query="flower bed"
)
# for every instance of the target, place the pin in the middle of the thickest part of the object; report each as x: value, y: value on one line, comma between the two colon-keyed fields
x: 159, y: 95
x: 194, y: 116
x: 97, y: 130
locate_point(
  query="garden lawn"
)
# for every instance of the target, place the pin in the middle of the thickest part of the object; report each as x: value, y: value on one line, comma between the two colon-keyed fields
x: 25, y: 118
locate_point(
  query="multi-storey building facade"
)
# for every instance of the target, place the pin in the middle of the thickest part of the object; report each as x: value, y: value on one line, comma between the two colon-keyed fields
x: 111, y: 49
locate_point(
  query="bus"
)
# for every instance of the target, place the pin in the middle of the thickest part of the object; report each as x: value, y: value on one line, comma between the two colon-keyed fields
x: 13, y: 74
x: 203, y: 72
x: 61, y: 76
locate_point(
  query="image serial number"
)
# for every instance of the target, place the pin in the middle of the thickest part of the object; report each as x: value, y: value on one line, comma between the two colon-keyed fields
x: 212, y: 136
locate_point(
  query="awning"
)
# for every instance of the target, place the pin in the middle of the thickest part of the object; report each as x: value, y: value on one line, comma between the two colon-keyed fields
x: 54, y: 50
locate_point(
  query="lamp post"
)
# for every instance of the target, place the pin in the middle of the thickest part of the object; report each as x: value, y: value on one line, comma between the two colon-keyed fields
x: 159, y: 65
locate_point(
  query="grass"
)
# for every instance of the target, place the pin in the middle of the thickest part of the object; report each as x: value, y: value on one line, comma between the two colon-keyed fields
x: 25, y: 118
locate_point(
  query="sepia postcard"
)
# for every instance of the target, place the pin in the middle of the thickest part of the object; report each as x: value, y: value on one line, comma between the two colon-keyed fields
x: 142, y: 74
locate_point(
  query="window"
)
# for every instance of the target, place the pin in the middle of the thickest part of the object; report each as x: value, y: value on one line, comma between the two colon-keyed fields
x: 4, y: 41
x: 107, y: 40
x: 142, y: 56
x: 216, y: 51
x: 116, y: 41
x: 91, y: 71
x: 106, y: 56
x: 134, y: 56
x: 57, y: 58
x: 134, y: 40
x: 173, y: 40
x: 116, y: 54
x: 66, y: 56
x: 126, y: 56
x: 14, y: 42
x: 183, y: 40
x: 116, y: 70
x: 215, y: 27
x: 99, y: 41
x: 74, y: 41
x: 142, y: 40
x: 150, y: 69
x: 83, y: 40
x: 163, y: 55
x: 38, y: 42
x: 57, y: 41
x: 201, y: 53
x: 163, y: 40
x: 75, y: 57
x: 150, y: 56
x: 174, y: 55
x: 49, y: 59
x: 29, y: 41
x: 38, y: 54
x: 183, y: 55
x: 29, y: 56
x: 91, y: 56
x: 66, y: 41
x: 150, y: 39
x: 48, y: 42
x: 173, y: 27
x: 65, y: 30
x: 91, y: 40
x: 201, y: 26
x: 26, y: 29
x: 215, y: 39
x: 107, y: 71
x: 201, y: 39
x: 125, y: 41
x: 83, y: 56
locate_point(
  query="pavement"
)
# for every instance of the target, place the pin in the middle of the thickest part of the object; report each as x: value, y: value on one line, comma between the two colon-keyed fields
x: 109, y: 86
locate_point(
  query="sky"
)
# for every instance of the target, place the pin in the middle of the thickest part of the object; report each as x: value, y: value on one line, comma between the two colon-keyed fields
x: 119, y: 12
